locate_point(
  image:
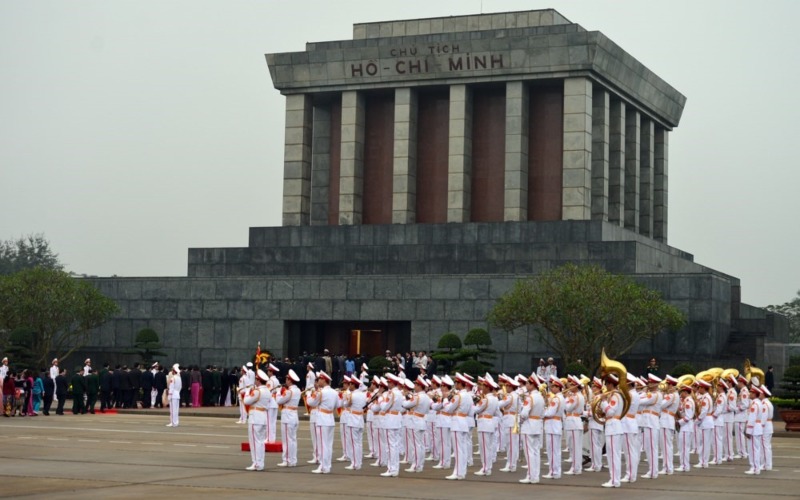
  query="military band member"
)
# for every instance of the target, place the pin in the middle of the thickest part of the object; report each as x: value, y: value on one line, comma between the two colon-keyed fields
x: 553, y: 428
x: 372, y: 438
x: 686, y: 422
x: 720, y: 410
x: 650, y: 405
x: 311, y: 387
x: 596, y: 439
x: 417, y: 407
x: 611, y: 406
x: 730, y: 417
x: 485, y: 410
x: 754, y: 430
x: 669, y: 409
x: 325, y: 402
x: 531, y: 428
x: 574, y: 405
x: 364, y: 377
x: 391, y: 408
x: 442, y: 431
x: 344, y: 418
x: 288, y: 399
x: 355, y: 428
x: 273, y: 385
x: 633, y: 445
x: 379, y: 439
x: 256, y: 399
x: 740, y: 418
x: 705, y: 423
x: 767, y: 414
x: 406, y: 449
x: 458, y: 408
x: 510, y: 406
x: 435, y: 393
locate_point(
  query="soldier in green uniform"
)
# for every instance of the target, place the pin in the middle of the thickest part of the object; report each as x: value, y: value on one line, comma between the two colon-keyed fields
x: 78, y: 382
x: 92, y: 389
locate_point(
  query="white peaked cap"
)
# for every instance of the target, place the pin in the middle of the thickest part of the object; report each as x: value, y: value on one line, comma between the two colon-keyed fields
x: 292, y: 375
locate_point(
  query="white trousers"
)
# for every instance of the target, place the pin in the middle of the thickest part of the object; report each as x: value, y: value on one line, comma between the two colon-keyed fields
x: 486, y: 446
x: 355, y: 438
x: 512, y: 449
x: 314, y: 451
x: 289, y: 438
x: 741, y: 438
x: 242, y: 412
x: 370, y: 442
x: 463, y: 448
x: 754, y: 454
x: 272, y: 424
x: 633, y: 452
x: 256, y: 436
x: 325, y: 446
x: 575, y: 446
x: 553, y: 445
x: 417, y: 446
x: 766, y: 449
x: 614, y: 457
x: 650, y: 445
x: 667, y: 457
x: 685, y: 440
x: 704, y: 450
x: 174, y: 410
x: 502, y: 442
x: 383, y: 447
x: 719, y: 442
x: 442, y: 436
x: 393, y: 442
x: 343, y: 436
x: 429, y: 437
x: 596, y: 447
x: 729, y: 439
x: 532, y: 444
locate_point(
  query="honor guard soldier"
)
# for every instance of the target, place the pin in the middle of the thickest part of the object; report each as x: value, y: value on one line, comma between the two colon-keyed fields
x: 256, y: 400
x: 754, y: 430
x: 391, y: 408
x: 574, y: 406
x: 325, y: 402
x: 272, y: 408
x: 418, y: 407
x: 740, y: 418
x: 596, y: 439
x: 372, y: 439
x: 311, y: 387
x: 767, y: 413
x: 705, y: 422
x: 553, y: 420
x: 242, y: 388
x: 174, y: 393
x: 650, y: 406
x: 459, y: 408
x: 670, y: 403
x: 720, y: 410
x: 485, y: 410
x: 633, y: 445
x: 531, y: 428
x: 611, y: 406
x: 355, y: 428
x: 510, y: 406
x: 343, y: 406
x: 443, y: 424
x: 686, y: 423
x: 288, y: 399
x: 730, y: 417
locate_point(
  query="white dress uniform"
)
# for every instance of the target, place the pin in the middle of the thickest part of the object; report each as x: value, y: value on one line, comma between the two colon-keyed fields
x: 510, y: 406
x: 754, y: 429
x: 531, y: 428
x: 417, y: 409
x: 596, y: 439
x: 633, y: 446
x: 669, y: 408
x: 257, y: 399
x: 686, y: 433
x: 650, y: 408
x: 242, y: 389
x: 705, y: 422
x: 370, y: 429
x: 767, y: 413
x: 312, y: 426
x: 391, y: 408
x: 459, y: 408
x: 740, y: 419
x: 720, y: 409
x: 487, y: 427
x: 553, y: 428
x: 325, y: 402
x: 174, y: 393
x: 612, y: 409
x: 430, y: 425
x: 344, y: 422
x: 442, y: 434
x: 272, y: 409
x: 730, y: 417
x: 289, y: 399
x: 53, y: 375
x: 355, y: 428
x: 574, y: 404
x: 379, y: 436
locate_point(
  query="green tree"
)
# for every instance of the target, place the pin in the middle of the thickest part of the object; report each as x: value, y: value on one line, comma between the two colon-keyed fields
x: 475, y: 349
x: 791, y: 382
x: 451, y: 342
x: 147, y: 345
x: 19, y: 347
x: 27, y: 252
x: 578, y: 310
x: 61, y: 310
x: 791, y: 310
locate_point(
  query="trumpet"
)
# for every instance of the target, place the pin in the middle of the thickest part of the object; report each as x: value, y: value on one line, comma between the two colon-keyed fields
x: 373, y: 398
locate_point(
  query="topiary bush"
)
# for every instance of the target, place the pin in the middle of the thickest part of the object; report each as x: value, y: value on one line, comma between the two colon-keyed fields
x: 472, y: 367
x: 682, y: 369
x: 378, y: 365
x: 576, y: 369
x: 790, y: 385
x: 449, y: 341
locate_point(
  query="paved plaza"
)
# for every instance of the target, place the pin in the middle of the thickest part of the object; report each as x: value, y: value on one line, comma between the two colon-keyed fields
x: 133, y: 455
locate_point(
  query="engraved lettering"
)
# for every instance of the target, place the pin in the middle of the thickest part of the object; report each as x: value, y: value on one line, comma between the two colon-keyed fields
x: 356, y: 70
x: 497, y: 61
x: 371, y: 68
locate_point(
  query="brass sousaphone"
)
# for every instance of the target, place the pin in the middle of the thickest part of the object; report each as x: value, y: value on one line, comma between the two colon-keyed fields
x: 609, y: 366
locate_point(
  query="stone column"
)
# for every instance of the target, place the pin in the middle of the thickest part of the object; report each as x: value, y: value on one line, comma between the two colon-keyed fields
x: 577, y: 151
x: 632, y: 136
x: 297, y: 161
x: 647, y: 151
x: 351, y: 176
x: 661, y: 171
x: 404, y: 179
x: 320, y: 165
x: 459, y: 170
x: 516, y: 159
x: 616, y: 163
x: 601, y: 112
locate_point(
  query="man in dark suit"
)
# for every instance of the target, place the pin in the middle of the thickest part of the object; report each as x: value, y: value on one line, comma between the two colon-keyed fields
x: 49, y: 390
x: 62, y: 387
x: 125, y: 387
x: 116, y: 380
x: 216, y: 386
x: 78, y: 382
x: 136, y: 383
x: 92, y: 390
x: 147, y: 387
x: 207, y: 383
x: 186, y: 387
x: 105, y: 388
x: 160, y: 383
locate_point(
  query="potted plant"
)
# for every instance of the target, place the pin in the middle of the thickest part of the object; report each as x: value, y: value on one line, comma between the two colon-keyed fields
x: 789, y: 408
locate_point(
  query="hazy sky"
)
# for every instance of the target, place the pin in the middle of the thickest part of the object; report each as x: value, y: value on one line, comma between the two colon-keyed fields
x: 133, y: 130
